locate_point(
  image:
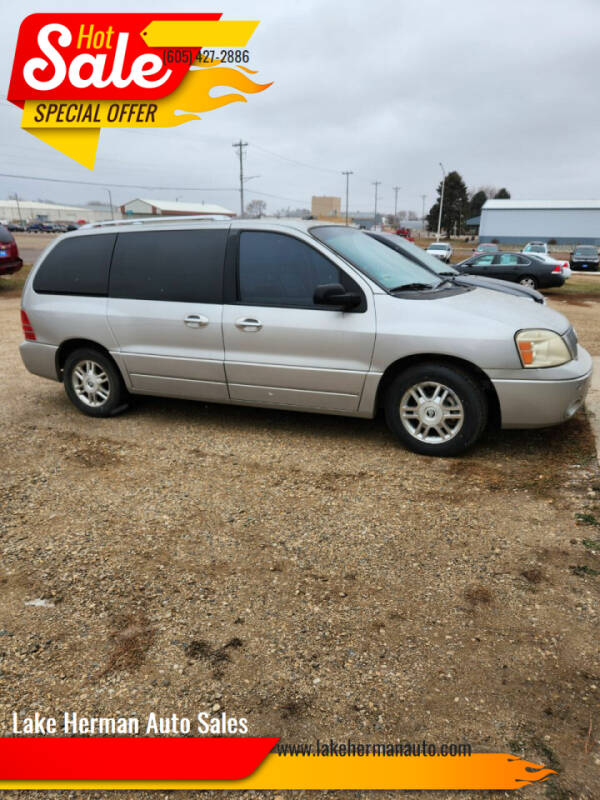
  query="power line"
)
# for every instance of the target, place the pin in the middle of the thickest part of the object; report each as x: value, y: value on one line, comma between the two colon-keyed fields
x: 120, y: 185
x: 293, y: 160
x: 142, y: 186
x: 276, y: 196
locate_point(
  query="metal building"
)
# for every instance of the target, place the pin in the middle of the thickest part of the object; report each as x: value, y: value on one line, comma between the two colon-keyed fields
x: 560, y: 221
x: 142, y: 207
x: 25, y: 211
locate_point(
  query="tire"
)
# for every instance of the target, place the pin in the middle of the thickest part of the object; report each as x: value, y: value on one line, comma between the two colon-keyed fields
x: 446, y: 395
x: 529, y: 280
x: 94, y: 384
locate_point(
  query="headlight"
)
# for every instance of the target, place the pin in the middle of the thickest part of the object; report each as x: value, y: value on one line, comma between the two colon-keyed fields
x: 541, y: 348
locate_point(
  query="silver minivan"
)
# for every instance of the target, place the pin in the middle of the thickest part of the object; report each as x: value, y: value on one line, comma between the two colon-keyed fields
x: 295, y: 315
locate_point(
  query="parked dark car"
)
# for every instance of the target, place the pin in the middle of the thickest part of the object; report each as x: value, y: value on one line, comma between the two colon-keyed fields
x: 585, y: 256
x: 15, y: 227
x: 40, y: 227
x: 486, y: 247
x: 516, y: 267
x: 9, y: 253
x: 415, y: 253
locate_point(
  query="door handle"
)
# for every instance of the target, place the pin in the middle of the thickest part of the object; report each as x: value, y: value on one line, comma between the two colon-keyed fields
x: 248, y: 324
x: 196, y: 321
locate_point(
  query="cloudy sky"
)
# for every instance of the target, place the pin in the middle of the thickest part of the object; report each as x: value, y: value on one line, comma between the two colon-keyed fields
x: 504, y: 91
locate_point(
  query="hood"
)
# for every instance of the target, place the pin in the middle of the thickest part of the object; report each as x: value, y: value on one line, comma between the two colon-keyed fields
x: 507, y: 309
x: 500, y: 286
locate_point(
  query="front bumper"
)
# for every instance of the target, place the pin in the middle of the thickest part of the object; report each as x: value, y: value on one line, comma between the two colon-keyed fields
x: 584, y: 265
x: 541, y: 402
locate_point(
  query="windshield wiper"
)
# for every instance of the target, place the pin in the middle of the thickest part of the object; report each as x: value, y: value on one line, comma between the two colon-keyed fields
x: 410, y: 286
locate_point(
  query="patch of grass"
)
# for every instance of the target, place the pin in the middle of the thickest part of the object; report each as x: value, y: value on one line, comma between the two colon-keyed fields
x: 478, y: 594
x: 587, y: 519
x: 591, y: 544
x: 131, y: 642
x: 534, y: 575
x: 14, y: 283
x: 549, y: 756
x: 576, y: 285
x: 582, y: 569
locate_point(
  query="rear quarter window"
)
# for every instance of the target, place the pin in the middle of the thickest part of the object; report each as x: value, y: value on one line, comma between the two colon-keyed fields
x: 5, y: 235
x: 79, y: 265
x: 177, y: 266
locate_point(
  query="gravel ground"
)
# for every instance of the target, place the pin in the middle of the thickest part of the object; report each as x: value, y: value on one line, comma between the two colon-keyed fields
x: 301, y: 570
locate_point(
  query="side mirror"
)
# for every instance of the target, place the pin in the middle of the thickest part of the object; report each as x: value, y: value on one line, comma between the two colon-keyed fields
x: 334, y: 294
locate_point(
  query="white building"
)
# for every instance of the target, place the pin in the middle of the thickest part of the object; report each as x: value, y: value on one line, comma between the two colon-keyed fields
x: 143, y: 207
x: 30, y: 211
x: 561, y: 221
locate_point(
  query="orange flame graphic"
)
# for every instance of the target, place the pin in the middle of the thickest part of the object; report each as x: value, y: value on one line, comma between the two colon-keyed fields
x: 193, y: 95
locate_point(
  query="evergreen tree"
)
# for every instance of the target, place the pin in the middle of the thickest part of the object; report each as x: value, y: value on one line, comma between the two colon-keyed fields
x: 476, y: 203
x: 456, y: 205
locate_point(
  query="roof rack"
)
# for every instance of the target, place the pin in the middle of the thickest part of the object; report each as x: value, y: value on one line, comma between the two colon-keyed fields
x: 107, y: 223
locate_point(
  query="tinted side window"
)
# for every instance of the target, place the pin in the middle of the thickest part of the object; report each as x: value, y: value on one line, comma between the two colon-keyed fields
x: 483, y: 261
x: 77, y: 266
x: 276, y: 269
x: 180, y: 266
x: 509, y: 259
x: 5, y: 235
x: 523, y: 261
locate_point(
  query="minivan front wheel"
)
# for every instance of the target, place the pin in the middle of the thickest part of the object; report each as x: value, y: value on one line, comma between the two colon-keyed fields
x: 436, y: 409
x: 93, y: 383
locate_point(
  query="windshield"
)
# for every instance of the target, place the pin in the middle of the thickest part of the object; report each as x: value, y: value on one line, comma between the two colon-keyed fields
x: 415, y: 253
x: 535, y: 248
x: 586, y: 251
x: 438, y: 247
x: 385, y: 266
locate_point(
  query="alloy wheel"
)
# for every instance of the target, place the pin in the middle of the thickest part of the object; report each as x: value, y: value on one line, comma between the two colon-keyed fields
x: 432, y: 412
x: 90, y: 383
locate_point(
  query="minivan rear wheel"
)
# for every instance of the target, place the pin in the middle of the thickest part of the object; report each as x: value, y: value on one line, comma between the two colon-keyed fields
x: 435, y: 409
x: 93, y: 383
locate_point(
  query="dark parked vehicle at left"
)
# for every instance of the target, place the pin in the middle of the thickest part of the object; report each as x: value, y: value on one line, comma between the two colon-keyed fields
x: 40, y: 227
x: 15, y: 227
x: 9, y: 253
x: 516, y: 267
x: 585, y: 256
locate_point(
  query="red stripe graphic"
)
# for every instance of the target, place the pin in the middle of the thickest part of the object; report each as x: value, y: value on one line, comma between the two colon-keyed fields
x: 125, y: 759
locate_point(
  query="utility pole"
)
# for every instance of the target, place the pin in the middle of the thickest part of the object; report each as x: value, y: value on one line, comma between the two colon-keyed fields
x: 347, y: 173
x: 423, y: 198
x: 112, y: 213
x: 441, y: 202
x: 396, y: 190
x: 19, y: 209
x: 240, y: 145
x: 375, y: 184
